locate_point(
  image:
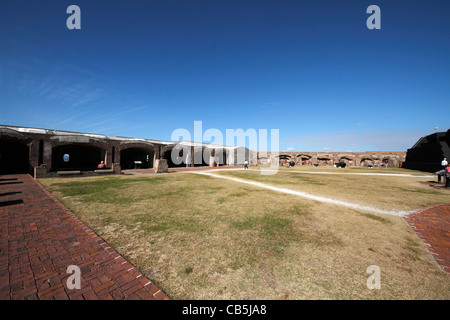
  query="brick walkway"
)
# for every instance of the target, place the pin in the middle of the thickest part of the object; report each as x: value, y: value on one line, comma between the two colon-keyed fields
x: 40, y: 239
x: 432, y: 225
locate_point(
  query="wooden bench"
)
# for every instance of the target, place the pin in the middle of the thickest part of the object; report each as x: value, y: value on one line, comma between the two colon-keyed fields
x: 64, y: 173
x: 104, y: 171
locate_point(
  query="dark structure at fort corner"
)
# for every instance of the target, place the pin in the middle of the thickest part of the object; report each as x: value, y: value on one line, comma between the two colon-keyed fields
x: 428, y: 152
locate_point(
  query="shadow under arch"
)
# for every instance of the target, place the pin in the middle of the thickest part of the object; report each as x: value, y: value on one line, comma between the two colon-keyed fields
x: 137, y: 155
x: 82, y: 157
x: 14, y: 156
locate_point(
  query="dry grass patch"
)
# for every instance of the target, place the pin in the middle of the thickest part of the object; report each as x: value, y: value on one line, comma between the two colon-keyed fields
x: 384, y: 192
x: 199, y: 237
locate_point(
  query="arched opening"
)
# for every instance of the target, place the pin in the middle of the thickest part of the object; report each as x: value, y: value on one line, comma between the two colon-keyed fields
x: 136, y: 158
x: 304, y: 160
x: 176, y: 157
x: 386, y: 161
x: 367, y: 162
x: 199, y: 158
x: 284, y: 159
x: 221, y: 157
x: 348, y: 161
x: 76, y: 157
x: 240, y: 154
x: 324, y: 161
x: 14, y: 157
x: 377, y: 161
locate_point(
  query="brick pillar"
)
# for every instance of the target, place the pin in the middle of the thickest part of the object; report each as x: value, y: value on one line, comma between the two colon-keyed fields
x: 33, y: 155
x: 108, y: 158
x: 155, y: 156
x: 161, y: 166
x: 192, y: 163
x: 47, y: 159
x: 212, y: 158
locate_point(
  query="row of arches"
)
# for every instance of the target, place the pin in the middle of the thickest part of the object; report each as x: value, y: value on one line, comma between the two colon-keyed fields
x: 304, y: 159
x: 182, y: 156
x: 15, y: 156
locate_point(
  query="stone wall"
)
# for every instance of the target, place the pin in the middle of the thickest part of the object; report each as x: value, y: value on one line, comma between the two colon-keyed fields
x: 351, y: 159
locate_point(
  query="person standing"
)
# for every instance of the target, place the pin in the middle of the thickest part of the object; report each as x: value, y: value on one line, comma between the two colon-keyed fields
x: 444, y: 163
x: 447, y: 176
x: 245, y: 164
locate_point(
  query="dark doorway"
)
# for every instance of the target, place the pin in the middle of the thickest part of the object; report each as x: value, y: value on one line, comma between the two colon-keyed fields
x: 179, y: 155
x: 284, y: 159
x: 305, y: 160
x: 14, y: 157
x: 136, y: 158
x: 221, y: 157
x: 199, y: 160
x: 325, y: 161
x: 77, y: 157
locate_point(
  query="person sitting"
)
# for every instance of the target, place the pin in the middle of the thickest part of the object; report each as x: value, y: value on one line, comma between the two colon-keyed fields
x: 101, y: 165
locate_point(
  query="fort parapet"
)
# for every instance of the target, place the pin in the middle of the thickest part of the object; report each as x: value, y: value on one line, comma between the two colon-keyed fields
x: 351, y: 159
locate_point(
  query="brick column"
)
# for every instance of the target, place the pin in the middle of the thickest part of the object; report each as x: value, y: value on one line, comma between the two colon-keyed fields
x: 161, y: 166
x: 212, y: 158
x: 33, y: 155
x: 47, y: 159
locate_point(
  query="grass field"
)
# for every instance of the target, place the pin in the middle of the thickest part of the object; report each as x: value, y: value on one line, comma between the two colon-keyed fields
x: 199, y: 237
x: 384, y: 192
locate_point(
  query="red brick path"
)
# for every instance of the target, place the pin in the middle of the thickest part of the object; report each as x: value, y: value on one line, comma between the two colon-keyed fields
x: 40, y: 239
x: 432, y: 225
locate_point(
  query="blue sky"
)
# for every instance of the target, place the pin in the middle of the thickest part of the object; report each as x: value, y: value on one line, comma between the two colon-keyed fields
x: 311, y: 69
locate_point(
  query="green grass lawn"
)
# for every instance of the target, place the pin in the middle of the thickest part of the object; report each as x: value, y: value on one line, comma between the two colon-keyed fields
x: 199, y: 237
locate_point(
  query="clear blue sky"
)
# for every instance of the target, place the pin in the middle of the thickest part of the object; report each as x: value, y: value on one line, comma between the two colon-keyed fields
x: 311, y: 69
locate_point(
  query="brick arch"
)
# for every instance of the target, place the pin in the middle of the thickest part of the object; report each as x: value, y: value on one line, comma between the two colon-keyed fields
x: 365, y: 161
x: 10, y: 134
x: 183, y: 155
x: 78, y: 140
x: 304, y: 159
x: 324, y: 160
x: 284, y: 158
x: 138, y: 145
x: 131, y: 153
x: 202, y: 157
x: 349, y: 160
x: 221, y: 156
x: 171, y: 146
x: 82, y: 156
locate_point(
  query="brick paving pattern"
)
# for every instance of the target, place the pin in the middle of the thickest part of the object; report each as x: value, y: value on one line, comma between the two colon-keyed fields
x: 432, y: 225
x: 40, y: 239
